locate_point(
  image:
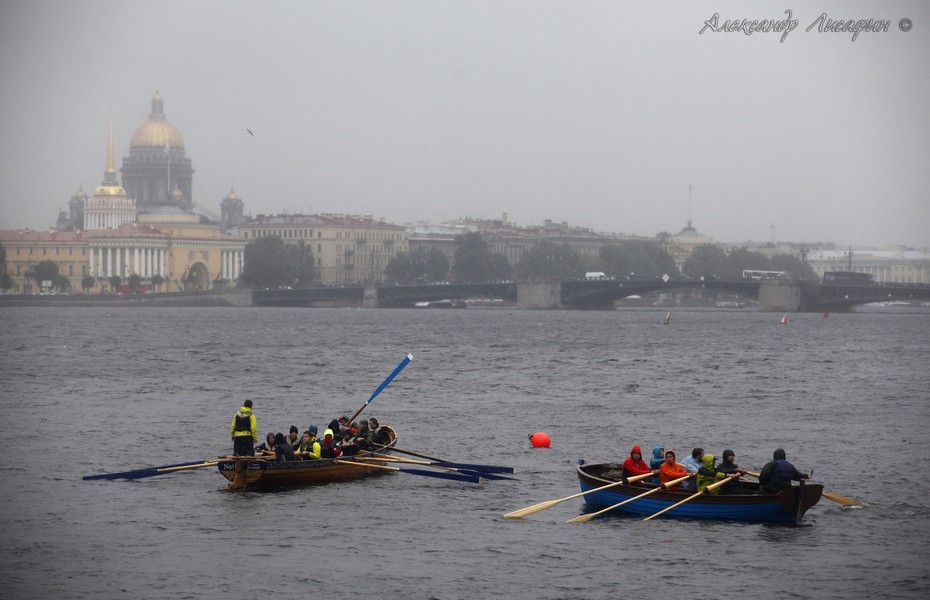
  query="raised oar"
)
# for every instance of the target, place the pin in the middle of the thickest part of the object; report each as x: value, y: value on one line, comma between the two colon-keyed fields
x: 140, y: 473
x: 529, y: 510
x: 709, y: 488
x: 452, y: 476
x: 587, y: 517
x: 830, y: 496
x: 384, y: 384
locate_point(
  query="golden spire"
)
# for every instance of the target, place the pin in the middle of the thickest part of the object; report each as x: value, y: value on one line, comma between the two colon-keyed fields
x: 111, y: 170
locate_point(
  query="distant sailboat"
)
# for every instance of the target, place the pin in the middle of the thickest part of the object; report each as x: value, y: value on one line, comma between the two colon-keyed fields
x: 784, y: 320
x: 668, y: 317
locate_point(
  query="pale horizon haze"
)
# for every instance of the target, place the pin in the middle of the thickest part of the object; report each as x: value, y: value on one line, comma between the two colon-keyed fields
x: 600, y: 114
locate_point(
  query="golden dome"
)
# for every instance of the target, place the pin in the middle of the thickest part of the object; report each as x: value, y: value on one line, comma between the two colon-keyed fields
x: 109, y: 190
x: 157, y: 131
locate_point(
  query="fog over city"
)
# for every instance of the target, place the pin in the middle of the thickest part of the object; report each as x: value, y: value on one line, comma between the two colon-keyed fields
x: 600, y: 114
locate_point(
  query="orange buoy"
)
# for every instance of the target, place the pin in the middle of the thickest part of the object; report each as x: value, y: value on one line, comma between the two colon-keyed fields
x: 539, y: 439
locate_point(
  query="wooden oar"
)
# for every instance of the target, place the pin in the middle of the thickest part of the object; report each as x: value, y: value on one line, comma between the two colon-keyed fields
x: 455, y: 465
x: 587, y: 517
x: 408, y: 461
x: 709, y: 488
x: 384, y: 384
x: 830, y: 496
x: 453, y: 476
x: 529, y: 510
x: 483, y: 469
x: 209, y: 463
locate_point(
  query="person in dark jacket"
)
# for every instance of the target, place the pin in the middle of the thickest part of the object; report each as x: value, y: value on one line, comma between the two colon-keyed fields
x: 779, y: 473
x: 283, y: 450
x: 328, y: 447
x: 729, y: 466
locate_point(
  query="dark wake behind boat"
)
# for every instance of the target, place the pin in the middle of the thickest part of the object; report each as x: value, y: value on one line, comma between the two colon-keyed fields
x: 789, y: 505
x: 246, y: 474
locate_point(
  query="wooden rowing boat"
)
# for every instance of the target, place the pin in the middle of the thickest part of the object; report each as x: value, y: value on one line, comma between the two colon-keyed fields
x: 789, y: 505
x: 247, y: 474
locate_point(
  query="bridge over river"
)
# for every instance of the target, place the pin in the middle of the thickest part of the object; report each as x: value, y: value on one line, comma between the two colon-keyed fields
x: 545, y: 294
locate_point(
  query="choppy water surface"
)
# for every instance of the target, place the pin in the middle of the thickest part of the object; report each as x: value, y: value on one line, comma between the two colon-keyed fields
x: 94, y: 390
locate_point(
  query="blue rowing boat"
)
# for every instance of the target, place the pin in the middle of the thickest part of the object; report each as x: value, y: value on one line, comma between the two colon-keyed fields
x: 787, y: 506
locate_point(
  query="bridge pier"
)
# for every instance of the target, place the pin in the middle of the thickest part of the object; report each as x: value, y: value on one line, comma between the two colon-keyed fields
x: 779, y: 296
x: 370, y: 298
x: 539, y: 294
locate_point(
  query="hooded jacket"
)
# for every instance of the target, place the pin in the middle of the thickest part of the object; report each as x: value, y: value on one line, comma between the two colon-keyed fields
x: 708, y: 474
x: 669, y: 472
x: 239, y: 426
x: 633, y: 467
x: 779, y: 473
x: 658, y: 457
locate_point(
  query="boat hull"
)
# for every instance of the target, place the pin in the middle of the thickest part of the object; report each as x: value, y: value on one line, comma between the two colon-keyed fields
x: 788, y: 506
x: 246, y: 474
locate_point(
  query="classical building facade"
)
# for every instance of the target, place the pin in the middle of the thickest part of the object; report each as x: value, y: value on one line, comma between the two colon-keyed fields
x: 112, y: 235
x: 346, y: 248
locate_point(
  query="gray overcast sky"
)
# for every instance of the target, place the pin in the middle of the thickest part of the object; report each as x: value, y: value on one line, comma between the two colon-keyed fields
x: 596, y: 113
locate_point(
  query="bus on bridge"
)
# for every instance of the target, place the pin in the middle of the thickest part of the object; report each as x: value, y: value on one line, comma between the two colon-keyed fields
x: 753, y: 274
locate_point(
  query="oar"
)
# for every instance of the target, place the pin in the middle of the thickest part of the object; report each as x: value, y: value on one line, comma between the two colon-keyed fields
x: 460, y: 466
x: 407, y: 461
x: 830, y: 496
x: 587, y: 517
x: 453, y: 476
x: 709, y: 488
x: 529, y: 510
x: 209, y: 463
x: 454, y: 465
x: 139, y: 473
x: 384, y: 384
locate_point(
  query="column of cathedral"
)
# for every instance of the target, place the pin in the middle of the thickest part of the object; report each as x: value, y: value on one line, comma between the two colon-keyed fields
x: 231, y: 266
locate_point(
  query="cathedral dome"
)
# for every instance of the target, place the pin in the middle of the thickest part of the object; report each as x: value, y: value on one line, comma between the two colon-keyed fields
x: 157, y: 131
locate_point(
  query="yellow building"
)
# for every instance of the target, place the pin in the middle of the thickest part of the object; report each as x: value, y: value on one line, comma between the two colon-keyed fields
x: 346, y: 248
x: 109, y: 237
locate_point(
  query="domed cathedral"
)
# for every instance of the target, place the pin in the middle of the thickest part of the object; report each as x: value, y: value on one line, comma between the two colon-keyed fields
x: 157, y: 172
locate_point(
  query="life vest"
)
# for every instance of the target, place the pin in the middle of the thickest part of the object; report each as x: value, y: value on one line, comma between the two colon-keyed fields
x: 243, y: 422
x: 782, y: 475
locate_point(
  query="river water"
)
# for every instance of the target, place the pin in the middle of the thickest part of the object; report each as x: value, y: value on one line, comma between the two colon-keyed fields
x: 96, y: 390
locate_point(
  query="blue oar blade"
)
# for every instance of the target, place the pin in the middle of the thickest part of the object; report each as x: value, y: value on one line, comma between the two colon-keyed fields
x: 439, y: 475
x: 390, y: 377
x: 139, y: 473
x: 481, y: 468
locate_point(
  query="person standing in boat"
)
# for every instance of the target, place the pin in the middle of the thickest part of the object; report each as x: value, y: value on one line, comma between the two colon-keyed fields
x: 691, y: 465
x: 244, y: 430
x: 634, y: 464
x: 779, y: 473
x: 670, y: 469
